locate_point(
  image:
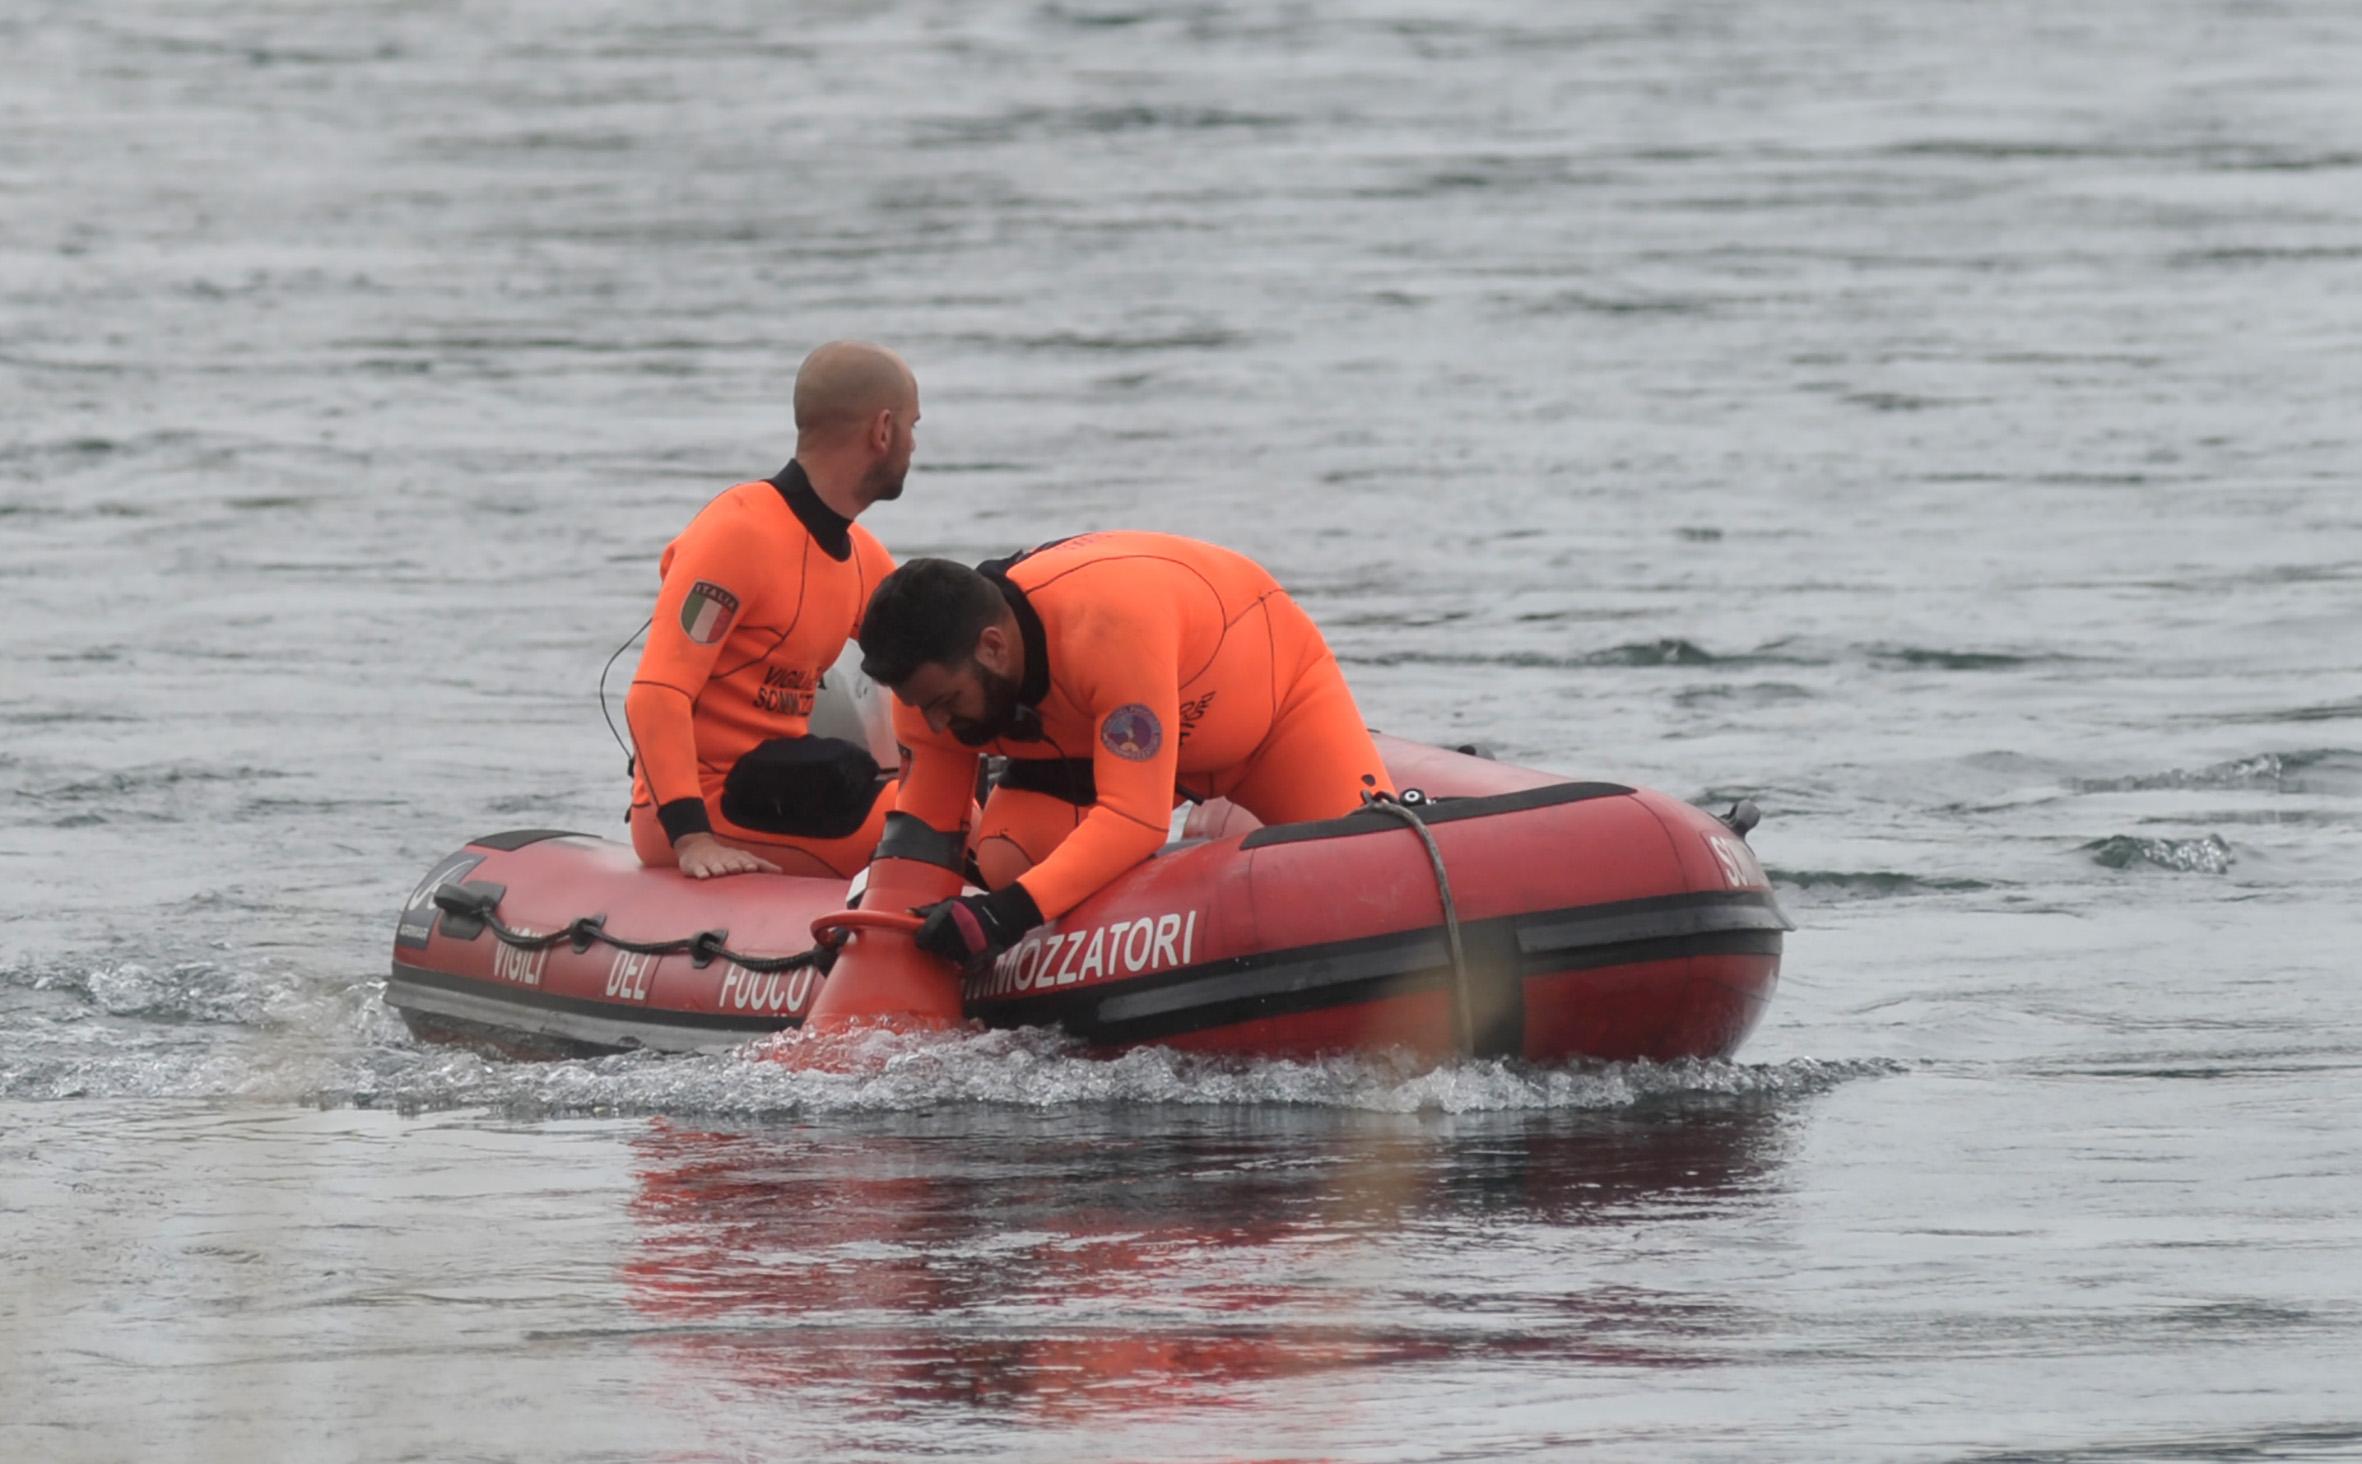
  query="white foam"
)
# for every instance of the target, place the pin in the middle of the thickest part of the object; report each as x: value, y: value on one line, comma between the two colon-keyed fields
x: 1040, y: 1070
x: 265, y: 1032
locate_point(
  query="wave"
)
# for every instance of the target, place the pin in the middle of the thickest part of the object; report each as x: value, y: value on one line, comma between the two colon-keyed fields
x: 1727, y: 696
x: 1205, y: 339
x: 1872, y: 883
x: 182, y: 993
x: 90, y: 447
x: 2270, y: 816
x: 2252, y: 255
x: 1665, y: 651
x: 2322, y: 770
x: 1669, y: 651
x: 1680, y: 651
x: 1927, y: 658
x: 2205, y: 855
x: 165, y: 794
x: 2345, y: 711
x: 140, y: 780
x: 1588, y: 302
x: 1093, y: 121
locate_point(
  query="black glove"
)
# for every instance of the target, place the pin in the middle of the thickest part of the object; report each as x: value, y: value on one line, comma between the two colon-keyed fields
x: 974, y: 927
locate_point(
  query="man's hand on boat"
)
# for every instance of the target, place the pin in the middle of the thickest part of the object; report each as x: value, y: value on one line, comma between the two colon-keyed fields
x: 703, y: 856
x: 973, y: 928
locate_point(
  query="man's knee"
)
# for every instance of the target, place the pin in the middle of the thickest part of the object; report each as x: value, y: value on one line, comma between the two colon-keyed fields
x: 1018, y: 830
x: 1001, y: 860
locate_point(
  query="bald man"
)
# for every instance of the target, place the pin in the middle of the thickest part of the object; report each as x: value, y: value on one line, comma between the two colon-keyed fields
x: 761, y: 592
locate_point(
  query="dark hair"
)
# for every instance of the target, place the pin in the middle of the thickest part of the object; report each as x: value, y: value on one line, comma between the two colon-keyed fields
x: 929, y: 610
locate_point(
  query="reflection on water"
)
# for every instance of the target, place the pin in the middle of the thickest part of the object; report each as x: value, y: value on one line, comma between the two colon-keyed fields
x: 1137, y: 1260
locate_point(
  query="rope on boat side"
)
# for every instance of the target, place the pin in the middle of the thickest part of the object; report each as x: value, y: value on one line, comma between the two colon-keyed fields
x: 469, y: 903
x: 1406, y: 808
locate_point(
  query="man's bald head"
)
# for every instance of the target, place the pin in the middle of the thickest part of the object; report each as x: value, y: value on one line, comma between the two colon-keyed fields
x: 843, y: 385
x: 857, y: 415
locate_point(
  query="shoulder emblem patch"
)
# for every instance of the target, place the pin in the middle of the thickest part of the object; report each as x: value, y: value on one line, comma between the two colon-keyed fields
x: 1132, y: 733
x: 707, y: 613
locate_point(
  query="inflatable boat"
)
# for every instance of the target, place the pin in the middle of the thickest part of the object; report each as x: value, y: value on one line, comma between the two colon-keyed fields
x: 1496, y: 911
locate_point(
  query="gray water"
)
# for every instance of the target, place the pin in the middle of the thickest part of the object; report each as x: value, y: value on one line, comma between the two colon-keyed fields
x: 1936, y: 421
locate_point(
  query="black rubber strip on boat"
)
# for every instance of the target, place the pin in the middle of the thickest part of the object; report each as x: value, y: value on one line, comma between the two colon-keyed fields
x: 515, y: 839
x: 1309, y: 978
x: 1506, y: 949
x: 526, y: 996
x: 441, y: 1027
x: 1539, y: 937
x: 1436, y: 811
x: 1279, y: 993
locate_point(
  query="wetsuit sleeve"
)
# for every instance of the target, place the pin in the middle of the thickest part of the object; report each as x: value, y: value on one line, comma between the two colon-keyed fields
x: 1126, y: 670
x: 938, y: 774
x: 710, y: 580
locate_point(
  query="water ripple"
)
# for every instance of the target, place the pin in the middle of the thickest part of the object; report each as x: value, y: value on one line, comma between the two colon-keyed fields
x: 2205, y: 855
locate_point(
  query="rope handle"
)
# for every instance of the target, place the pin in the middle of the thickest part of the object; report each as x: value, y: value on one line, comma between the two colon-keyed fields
x: 1406, y: 808
x: 704, y: 948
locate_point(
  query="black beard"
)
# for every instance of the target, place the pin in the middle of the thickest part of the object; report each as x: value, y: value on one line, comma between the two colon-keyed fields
x: 1000, y: 710
x: 883, y: 485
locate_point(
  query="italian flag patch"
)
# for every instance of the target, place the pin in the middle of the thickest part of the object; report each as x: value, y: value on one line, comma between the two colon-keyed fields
x: 706, y: 614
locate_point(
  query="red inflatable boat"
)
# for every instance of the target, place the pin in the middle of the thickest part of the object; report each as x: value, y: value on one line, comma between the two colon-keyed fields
x: 1508, y: 913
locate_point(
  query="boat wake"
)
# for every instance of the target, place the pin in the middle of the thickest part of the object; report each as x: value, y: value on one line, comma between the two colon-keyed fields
x: 1037, y: 1069
x: 267, y: 1033
x: 2324, y: 770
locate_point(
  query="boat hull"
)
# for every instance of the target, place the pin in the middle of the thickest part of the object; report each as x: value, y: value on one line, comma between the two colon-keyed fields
x: 1571, y: 921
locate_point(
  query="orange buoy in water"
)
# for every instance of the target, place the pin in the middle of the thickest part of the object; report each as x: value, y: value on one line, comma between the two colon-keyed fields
x: 881, y: 978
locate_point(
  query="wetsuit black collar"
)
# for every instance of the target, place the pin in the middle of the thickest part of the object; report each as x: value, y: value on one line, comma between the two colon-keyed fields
x: 830, y: 530
x: 1036, y: 683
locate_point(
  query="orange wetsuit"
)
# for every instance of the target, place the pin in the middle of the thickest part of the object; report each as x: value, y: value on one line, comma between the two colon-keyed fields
x: 1156, y: 668
x: 760, y: 593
